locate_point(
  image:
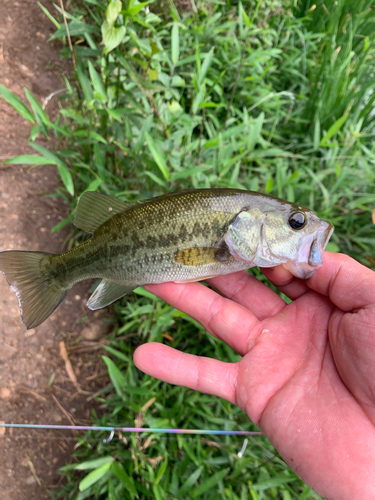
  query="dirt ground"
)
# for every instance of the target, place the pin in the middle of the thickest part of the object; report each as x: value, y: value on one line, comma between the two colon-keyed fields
x: 34, y: 383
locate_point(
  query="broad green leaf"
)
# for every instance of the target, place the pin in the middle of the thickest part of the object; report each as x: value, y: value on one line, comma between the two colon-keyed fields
x: 34, y: 132
x: 333, y: 129
x: 17, y: 104
x: 94, y: 464
x: 86, y: 86
x: 75, y: 28
x: 115, y: 114
x: 210, y: 483
x: 47, y: 153
x: 112, y: 11
x: 94, y: 476
x: 177, y: 81
x: 205, y: 66
x: 153, y: 74
x: 175, y: 107
x: 158, y: 157
x: 133, y: 11
x: 30, y: 160
x: 66, y: 178
x: 119, y: 471
x: 117, y: 378
x: 92, y: 134
x: 175, y: 44
x: 99, y: 90
x: 112, y: 37
x: 154, y: 48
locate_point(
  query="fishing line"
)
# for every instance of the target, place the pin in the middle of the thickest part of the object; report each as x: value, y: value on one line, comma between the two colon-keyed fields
x: 138, y: 430
x: 135, y: 430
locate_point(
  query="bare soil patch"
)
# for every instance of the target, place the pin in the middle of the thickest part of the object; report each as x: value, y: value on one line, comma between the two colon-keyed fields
x: 34, y: 384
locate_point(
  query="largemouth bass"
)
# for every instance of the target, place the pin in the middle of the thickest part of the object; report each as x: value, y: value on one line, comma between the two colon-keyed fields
x: 180, y: 237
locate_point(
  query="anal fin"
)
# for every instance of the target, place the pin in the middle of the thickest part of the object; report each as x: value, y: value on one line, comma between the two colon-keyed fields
x: 108, y: 292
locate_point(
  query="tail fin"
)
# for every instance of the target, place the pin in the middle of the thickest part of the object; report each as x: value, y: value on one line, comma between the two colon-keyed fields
x: 38, y: 292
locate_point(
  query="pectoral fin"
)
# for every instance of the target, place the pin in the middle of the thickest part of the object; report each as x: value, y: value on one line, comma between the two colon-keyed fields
x: 201, y: 256
x: 106, y: 293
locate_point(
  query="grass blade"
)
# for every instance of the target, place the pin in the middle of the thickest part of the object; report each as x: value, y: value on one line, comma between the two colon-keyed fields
x: 117, y: 378
x: 158, y: 157
x: 93, y: 464
x: 210, y: 483
x: 175, y: 44
x: 99, y: 90
x: 333, y: 129
x: 17, y: 104
x: 30, y: 160
x: 49, y: 15
x: 94, y: 476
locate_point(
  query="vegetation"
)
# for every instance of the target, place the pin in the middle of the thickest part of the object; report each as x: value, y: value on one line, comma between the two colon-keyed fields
x: 266, y: 95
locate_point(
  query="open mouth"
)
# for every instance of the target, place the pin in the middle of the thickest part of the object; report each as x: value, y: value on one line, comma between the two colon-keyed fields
x: 319, y: 244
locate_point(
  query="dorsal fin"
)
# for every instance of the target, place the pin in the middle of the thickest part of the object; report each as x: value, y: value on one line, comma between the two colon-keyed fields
x: 94, y: 209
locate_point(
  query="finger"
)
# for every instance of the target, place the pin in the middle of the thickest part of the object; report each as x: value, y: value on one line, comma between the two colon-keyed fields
x: 349, y: 284
x: 284, y: 280
x: 198, y: 373
x: 249, y: 292
x: 223, y: 318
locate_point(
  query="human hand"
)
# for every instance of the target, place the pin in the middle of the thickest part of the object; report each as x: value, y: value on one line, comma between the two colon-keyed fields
x: 307, y: 375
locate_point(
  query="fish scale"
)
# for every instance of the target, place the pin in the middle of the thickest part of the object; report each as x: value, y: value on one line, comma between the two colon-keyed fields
x: 180, y: 237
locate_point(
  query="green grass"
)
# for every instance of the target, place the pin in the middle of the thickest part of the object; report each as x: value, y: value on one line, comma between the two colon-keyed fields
x: 264, y: 95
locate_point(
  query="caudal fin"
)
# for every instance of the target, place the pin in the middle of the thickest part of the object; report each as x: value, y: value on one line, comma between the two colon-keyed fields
x: 38, y: 292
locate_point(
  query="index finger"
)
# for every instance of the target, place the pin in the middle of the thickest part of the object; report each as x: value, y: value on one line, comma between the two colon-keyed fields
x: 223, y: 318
x: 349, y: 284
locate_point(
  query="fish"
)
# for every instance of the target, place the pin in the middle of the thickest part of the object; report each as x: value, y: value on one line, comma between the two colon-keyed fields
x: 181, y: 237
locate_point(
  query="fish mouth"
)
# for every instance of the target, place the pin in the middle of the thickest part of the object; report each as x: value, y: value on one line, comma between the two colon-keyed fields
x: 311, y: 256
x: 319, y: 244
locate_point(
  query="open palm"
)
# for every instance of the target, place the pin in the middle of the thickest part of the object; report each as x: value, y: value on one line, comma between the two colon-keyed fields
x: 307, y: 375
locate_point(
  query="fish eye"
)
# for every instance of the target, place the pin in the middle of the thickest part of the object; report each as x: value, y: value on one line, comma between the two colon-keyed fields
x: 297, y: 221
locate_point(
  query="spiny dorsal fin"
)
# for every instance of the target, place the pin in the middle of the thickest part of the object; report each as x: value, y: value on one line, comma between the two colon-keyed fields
x: 106, y: 293
x: 94, y: 209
